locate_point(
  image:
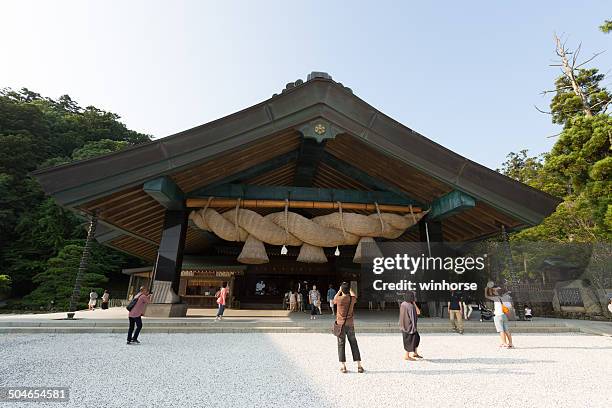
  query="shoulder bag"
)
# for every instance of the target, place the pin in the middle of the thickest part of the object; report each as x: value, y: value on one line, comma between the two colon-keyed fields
x: 505, y: 308
x: 132, y: 303
x: 337, y: 329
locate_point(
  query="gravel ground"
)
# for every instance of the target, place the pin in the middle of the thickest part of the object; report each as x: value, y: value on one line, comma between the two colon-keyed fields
x: 287, y: 370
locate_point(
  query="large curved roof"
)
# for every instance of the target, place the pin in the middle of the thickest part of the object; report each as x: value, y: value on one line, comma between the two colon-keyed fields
x: 359, y: 136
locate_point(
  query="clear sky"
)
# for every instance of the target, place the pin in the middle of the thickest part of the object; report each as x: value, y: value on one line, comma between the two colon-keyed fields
x: 466, y: 74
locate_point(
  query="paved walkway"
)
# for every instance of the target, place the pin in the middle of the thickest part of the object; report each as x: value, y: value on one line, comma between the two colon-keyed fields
x: 301, y: 370
x: 121, y: 313
x: 202, y: 320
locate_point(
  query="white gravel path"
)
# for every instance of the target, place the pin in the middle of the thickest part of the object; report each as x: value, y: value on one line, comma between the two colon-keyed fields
x: 301, y: 370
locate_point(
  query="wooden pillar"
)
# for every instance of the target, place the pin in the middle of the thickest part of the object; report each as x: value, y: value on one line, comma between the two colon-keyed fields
x: 435, y: 247
x: 167, y: 272
x: 127, y: 295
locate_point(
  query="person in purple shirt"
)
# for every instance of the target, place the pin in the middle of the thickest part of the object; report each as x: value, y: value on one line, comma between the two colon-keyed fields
x: 136, y: 314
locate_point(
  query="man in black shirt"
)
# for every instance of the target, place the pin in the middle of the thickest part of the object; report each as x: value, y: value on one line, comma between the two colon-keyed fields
x: 455, y: 312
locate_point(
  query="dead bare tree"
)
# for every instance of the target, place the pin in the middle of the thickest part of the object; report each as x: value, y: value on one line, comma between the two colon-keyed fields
x: 569, y: 64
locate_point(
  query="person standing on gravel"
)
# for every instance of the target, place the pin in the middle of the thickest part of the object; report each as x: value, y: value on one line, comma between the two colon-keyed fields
x: 500, y: 318
x: 345, y: 301
x: 408, y: 316
x: 136, y: 313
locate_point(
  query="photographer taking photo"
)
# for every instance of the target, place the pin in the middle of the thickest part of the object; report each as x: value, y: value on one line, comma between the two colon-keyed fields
x: 345, y: 301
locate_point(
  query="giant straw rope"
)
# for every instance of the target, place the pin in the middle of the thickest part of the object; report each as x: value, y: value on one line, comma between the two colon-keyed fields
x: 311, y: 235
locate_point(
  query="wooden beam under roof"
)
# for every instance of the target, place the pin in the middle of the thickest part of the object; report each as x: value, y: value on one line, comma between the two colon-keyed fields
x: 311, y: 151
x: 451, y: 204
x: 165, y: 191
x: 259, y: 192
x: 327, y: 205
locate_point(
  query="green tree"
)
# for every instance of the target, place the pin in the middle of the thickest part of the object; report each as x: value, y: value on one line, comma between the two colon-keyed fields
x: 606, y: 27
x: 523, y: 168
x: 579, y: 166
x: 36, y: 132
x: 56, y: 281
x: 98, y: 148
x: 5, y: 285
x: 566, y: 104
x: 40, y: 234
x: 581, y: 156
x: 571, y: 222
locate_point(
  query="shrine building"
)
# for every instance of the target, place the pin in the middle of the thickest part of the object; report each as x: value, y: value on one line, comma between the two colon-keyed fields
x: 281, y: 193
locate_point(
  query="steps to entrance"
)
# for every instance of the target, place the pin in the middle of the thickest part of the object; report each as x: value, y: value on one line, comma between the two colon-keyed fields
x: 114, y: 320
x: 265, y: 325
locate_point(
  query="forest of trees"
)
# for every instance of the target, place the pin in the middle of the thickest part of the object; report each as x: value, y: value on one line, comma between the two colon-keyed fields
x: 40, y: 243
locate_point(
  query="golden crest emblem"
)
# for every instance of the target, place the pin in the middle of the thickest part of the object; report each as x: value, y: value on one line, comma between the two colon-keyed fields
x: 319, y: 129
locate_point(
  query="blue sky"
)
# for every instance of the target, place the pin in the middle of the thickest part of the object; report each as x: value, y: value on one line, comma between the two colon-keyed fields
x: 465, y: 74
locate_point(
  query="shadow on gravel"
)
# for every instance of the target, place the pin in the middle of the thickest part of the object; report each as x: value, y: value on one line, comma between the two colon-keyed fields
x: 487, y: 361
x: 414, y: 370
x: 178, y: 370
x: 564, y: 348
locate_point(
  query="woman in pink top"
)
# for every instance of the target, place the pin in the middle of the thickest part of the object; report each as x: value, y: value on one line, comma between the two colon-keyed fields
x: 221, y: 299
x: 136, y: 314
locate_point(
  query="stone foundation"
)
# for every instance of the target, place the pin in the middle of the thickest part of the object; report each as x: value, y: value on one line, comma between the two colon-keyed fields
x: 166, y: 310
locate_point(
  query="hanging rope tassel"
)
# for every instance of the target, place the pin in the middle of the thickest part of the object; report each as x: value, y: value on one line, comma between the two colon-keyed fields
x: 236, y: 220
x: 413, y: 216
x: 382, y: 223
x: 286, y: 218
x: 284, y: 250
x: 207, y: 205
x: 341, y: 218
x: 337, y: 251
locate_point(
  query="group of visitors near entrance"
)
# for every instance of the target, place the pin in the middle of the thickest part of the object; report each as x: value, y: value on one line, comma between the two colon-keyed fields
x: 93, y: 300
x: 343, y: 301
x: 294, y: 300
